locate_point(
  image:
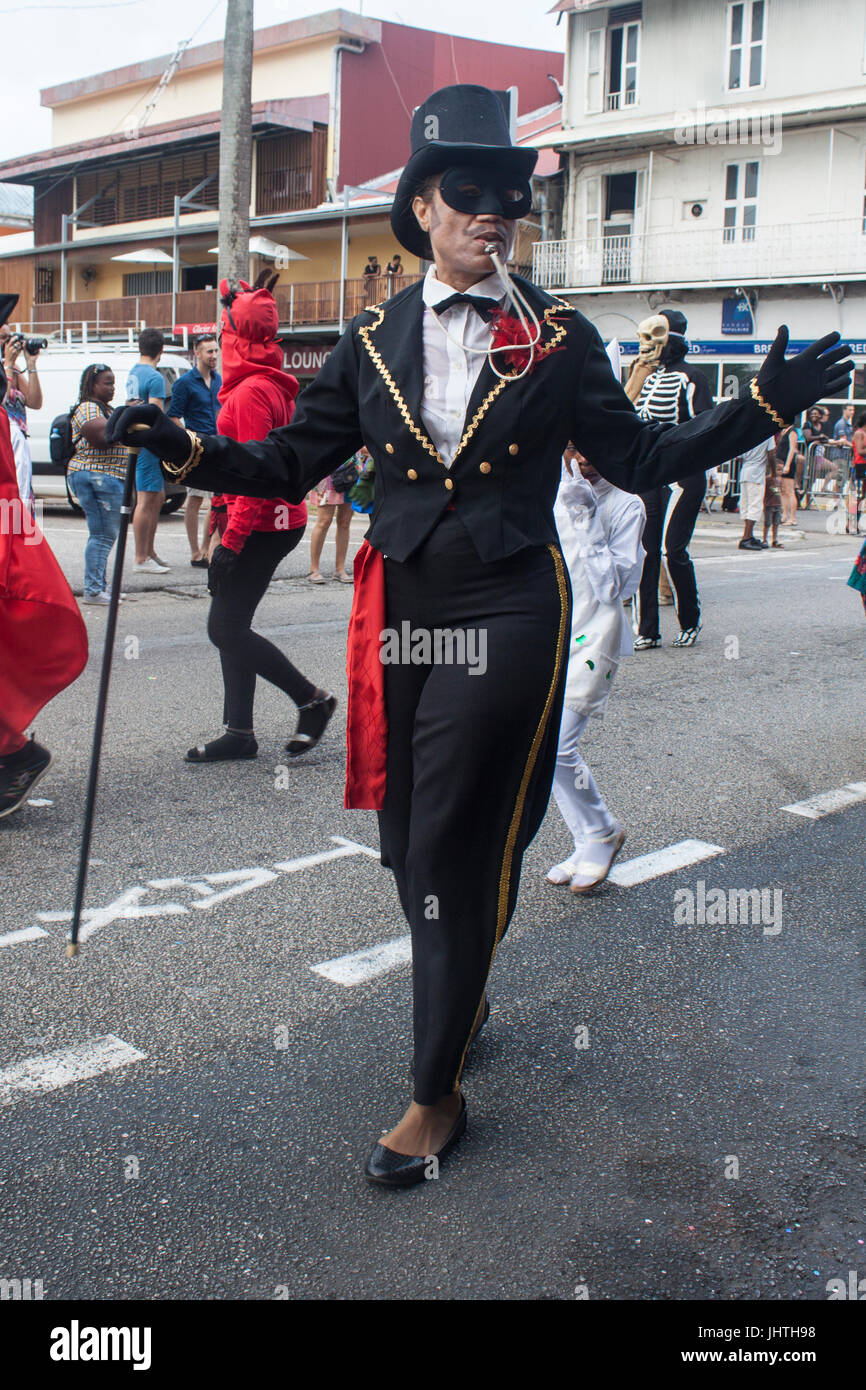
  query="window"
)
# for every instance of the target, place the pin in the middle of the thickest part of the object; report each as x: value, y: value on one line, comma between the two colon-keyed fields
x: 612, y: 56
x: 622, y: 49
x: 741, y: 201
x: 746, y: 26
x: 147, y: 282
x: 44, y: 284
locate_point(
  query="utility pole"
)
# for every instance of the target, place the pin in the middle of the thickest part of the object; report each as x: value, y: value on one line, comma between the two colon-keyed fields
x: 236, y: 143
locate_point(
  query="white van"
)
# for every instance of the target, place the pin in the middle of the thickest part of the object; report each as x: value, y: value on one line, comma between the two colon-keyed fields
x: 60, y: 369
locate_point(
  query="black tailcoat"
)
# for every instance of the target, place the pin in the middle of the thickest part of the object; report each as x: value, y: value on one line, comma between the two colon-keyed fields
x: 504, y: 477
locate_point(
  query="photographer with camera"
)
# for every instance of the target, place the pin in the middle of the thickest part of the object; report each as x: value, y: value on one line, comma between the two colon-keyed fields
x: 23, y: 392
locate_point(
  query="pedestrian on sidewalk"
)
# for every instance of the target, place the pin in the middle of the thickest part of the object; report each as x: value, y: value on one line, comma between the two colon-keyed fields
x: 195, y: 404
x: 788, y: 455
x: 257, y: 534
x: 753, y: 478
x: 331, y: 501
x: 96, y: 474
x: 772, y: 501
x: 146, y: 385
x: 600, y: 529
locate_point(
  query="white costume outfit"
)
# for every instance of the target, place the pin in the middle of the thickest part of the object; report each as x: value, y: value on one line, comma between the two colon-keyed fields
x: 600, y: 529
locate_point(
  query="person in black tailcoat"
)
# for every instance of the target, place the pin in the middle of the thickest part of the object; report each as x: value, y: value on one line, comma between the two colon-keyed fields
x: 466, y: 413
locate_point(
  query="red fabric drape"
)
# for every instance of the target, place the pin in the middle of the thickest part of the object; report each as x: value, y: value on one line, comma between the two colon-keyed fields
x: 366, y: 724
x: 43, y: 639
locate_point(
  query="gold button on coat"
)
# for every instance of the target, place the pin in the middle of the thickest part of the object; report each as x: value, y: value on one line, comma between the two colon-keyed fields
x: 389, y: 448
x: 449, y: 484
x: 513, y: 448
x: 484, y: 467
x: 411, y: 474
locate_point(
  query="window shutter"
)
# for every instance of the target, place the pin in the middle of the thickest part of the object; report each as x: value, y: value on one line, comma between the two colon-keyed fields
x: 595, y: 70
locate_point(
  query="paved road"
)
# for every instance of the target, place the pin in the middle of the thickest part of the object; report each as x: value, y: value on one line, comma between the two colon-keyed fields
x: 658, y: 1110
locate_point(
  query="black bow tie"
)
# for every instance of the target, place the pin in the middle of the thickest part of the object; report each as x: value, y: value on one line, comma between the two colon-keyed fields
x: 485, y: 307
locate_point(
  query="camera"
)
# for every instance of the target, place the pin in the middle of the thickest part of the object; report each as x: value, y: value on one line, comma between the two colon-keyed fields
x: 28, y: 345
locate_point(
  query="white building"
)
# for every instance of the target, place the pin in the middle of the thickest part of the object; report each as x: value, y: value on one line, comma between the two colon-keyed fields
x: 715, y: 156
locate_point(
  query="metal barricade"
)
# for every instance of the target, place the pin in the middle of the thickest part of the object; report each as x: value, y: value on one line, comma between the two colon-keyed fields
x: 828, y: 483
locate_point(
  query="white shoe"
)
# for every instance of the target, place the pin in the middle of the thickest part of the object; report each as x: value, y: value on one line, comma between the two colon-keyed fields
x: 106, y: 593
x: 101, y: 599
x: 150, y: 566
x: 596, y: 860
x: 564, y: 872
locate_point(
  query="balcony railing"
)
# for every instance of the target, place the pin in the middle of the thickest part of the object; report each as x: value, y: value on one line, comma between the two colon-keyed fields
x: 820, y: 249
x: 311, y: 304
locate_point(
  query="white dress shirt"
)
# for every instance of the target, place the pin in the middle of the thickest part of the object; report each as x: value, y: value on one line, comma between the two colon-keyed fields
x: 450, y: 370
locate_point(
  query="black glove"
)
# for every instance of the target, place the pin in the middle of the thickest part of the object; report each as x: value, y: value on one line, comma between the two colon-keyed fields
x: 222, y: 567
x: 814, y: 373
x: 161, y: 436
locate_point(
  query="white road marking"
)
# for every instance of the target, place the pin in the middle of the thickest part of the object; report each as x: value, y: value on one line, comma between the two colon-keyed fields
x: 39, y: 801
x: 662, y: 861
x: 50, y: 1070
x: 366, y: 965
x: 12, y: 938
x: 825, y: 803
x: 347, y: 847
x: 244, y: 881
x: 125, y: 908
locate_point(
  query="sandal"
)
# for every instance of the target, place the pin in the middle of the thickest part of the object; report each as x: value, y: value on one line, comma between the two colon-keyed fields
x: 231, y: 747
x: 312, y: 722
x: 316, y: 578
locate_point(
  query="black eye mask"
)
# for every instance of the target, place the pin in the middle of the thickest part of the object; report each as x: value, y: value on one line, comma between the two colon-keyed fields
x: 476, y: 190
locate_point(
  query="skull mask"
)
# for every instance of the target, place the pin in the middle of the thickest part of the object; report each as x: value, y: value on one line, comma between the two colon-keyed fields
x: 653, y: 334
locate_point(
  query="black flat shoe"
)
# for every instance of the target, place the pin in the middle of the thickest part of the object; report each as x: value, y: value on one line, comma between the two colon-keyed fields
x: 228, y: 749
x: 313, y: 720
x: 391, y: 1169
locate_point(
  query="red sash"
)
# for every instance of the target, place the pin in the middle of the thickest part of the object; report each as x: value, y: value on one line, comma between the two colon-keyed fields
x: 366, y: 724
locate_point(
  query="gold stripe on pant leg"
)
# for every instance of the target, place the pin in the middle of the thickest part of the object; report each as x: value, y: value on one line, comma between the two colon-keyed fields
x: 511, y: 837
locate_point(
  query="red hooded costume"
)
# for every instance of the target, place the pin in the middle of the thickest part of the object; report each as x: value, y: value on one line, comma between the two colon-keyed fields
x: 257, y: 395
x: 43, y: 640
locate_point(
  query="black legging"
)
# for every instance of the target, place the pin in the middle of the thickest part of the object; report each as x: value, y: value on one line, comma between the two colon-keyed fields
x: 245, y: 654
x: 680, y: 568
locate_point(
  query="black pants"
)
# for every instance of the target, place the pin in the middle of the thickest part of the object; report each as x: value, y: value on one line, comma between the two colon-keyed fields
x: 470, y: 765
x: 680, y: 568
x: 244, y: 654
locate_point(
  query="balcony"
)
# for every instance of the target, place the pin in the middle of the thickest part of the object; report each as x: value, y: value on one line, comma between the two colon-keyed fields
x: 314, y: 304
x: 820, y: 250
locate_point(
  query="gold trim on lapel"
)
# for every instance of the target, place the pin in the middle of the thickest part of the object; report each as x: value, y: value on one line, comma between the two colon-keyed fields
x: 394, y: 389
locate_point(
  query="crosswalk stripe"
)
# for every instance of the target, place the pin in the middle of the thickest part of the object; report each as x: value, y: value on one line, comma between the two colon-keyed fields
x: 825, y: 803
x: 49, y: 1071
x: 662, y: 861
x: 364, y: 965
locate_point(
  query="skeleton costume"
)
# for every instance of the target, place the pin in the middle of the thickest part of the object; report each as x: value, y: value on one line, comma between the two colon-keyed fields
x: 676, y: 391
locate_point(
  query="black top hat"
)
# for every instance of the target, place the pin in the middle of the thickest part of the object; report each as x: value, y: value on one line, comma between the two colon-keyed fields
x: 456, y: 125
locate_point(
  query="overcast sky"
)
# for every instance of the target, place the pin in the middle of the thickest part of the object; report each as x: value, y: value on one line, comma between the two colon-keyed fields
x: 60, y: 41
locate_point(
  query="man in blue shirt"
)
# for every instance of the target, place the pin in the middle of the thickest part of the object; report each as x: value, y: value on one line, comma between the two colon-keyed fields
x: 844, y: 431
x: 146, y: 385
x: 195, y: 404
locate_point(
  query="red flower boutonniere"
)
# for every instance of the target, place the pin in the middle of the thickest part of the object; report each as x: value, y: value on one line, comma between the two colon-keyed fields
x: 508, y: 331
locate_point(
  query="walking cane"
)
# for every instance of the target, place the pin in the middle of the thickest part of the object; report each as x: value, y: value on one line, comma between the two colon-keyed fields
x: 102, y: 699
